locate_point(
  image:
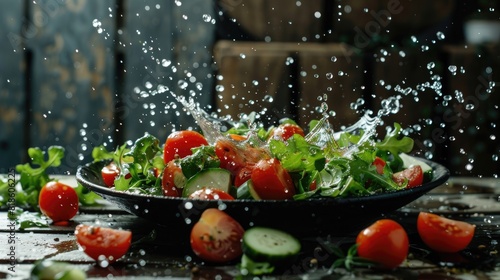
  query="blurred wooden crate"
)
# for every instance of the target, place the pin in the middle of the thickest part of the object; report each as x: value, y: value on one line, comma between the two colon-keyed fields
x: 278, y: 20
x: 334, y: 71
x: 472, y: 117
x: 365, y: 23
x: 254, y: 77
x: 293, y: 76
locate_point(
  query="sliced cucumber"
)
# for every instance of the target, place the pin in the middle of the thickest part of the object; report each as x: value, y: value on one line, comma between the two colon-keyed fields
x: 216, y: 178
x: 247, y: 191
x: 409, y: 161
x: 270, y: 245
x: 47, y: 269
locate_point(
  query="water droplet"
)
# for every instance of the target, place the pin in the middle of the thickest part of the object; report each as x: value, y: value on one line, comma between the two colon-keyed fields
x: 453, y: 69
x: 268, y: 98
x: 207, y: 18
x: 440, y: 35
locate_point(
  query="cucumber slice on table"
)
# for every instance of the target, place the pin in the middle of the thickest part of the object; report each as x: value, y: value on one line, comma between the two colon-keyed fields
x: 270, y: 245
x: 409, y: 161
x: 216, y: 178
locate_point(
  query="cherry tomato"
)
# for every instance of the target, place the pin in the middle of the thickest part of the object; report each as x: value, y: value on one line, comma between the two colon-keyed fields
x: 231, y: 156
x: 285, y: 131
x: 109, y: 174
x: 234, y: 157
x: 272, y: 181
x: 216, y: 237
x: 243, y: 175
x: 379, y: 164
x: 413, y: 175
x: 210, y: 194
x: 172, y: 174
x: 384, y: 242
x: 442, y: 234
x: 313, y: 186
x: 180, y: 143
x: 102, y: 243
x: 58, y: 201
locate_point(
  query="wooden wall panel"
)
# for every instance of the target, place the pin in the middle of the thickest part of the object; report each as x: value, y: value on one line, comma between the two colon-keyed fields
x: 193, y: 39
x: 12, y: 97
x: 167, y: 45
x: 472, y: 125
x: 334, y: 70
x: 72, y: 83
x: 148, y: 61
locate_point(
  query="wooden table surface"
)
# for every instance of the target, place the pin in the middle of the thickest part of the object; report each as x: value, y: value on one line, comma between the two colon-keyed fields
x: 157, y: 252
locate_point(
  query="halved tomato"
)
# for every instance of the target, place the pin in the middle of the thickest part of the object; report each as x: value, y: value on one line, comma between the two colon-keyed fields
x: 413, y: 175
x: 444, y: 235
x: 210, y: 194
x: 272, y: 181
x: 102, y: 243
x: 379, y: 164
x: 234, y: 156
x: 216, y: 237
x: 180, y: 143
x: 171, y: 179
x: 243, y: 175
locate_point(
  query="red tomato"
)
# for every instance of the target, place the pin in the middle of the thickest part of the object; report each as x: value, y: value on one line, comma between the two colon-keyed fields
x: 210, y: 194
x: 379, y: 163
x: 313, y: 186
x: 442, y: 234
x: 58, y: 201
x: 172, y: 174
x: 216, y: 237
x: 285, y: 131
x: 272, y: 181
x: 413, y: 175
x: 102, y: 243
x: 234, y: 157
x: 243, y: 175
x: 385, y: 242
x: 109, y: 174
x: 180, y: 143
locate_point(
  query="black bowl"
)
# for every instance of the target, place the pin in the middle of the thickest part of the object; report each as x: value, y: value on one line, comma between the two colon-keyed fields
x: 311, y: 217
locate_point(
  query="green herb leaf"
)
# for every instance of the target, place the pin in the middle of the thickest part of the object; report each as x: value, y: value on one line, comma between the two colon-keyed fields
x: 394, y: 144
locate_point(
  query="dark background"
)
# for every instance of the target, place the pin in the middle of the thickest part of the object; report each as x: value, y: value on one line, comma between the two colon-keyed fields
x: 83, y: 73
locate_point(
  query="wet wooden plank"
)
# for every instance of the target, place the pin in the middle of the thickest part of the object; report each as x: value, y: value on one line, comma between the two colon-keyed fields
x: 334, y: 71
x: 471, y: 115
x: 73, y: 76
x: 12, y: 85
